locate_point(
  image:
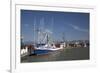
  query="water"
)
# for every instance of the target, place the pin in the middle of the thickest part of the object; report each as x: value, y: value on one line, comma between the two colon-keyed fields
x: 60, y: 55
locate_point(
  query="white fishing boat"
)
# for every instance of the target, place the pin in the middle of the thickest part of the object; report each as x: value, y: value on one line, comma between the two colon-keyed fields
x: 45, y: 44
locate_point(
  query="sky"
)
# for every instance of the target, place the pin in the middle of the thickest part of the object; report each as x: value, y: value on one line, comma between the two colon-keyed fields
x: 70, y: 25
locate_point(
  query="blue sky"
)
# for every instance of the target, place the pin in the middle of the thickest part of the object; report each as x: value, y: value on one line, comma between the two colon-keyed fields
x: 74, y: 25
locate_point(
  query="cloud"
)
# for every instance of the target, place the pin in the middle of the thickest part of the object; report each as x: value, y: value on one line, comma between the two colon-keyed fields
x: 48, y: 31
x: 78, y: 28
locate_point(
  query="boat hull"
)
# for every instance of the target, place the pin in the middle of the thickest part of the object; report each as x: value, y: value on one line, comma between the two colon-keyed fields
x: 41, y: 52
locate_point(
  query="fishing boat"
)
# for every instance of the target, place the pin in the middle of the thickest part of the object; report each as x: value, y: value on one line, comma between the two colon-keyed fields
x: 44, y: 44
x: 44, y: 48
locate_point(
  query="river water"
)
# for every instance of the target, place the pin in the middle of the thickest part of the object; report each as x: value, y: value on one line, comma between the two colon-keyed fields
x: 60, y: 55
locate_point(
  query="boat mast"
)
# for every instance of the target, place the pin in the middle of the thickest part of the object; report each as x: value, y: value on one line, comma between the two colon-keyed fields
x: 40, y: 31
x: 34, y: 29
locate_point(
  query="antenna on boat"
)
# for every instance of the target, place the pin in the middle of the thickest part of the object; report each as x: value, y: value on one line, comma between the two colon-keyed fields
x: 34, y: 30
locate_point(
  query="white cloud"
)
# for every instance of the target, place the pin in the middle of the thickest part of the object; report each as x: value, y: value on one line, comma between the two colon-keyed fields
x: 48, y: 31
x: 78, y: 28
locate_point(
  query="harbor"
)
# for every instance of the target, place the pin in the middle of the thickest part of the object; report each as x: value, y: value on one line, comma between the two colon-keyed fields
x: 54, y: 36
x: 64, y: 51
x: 67, y: 54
